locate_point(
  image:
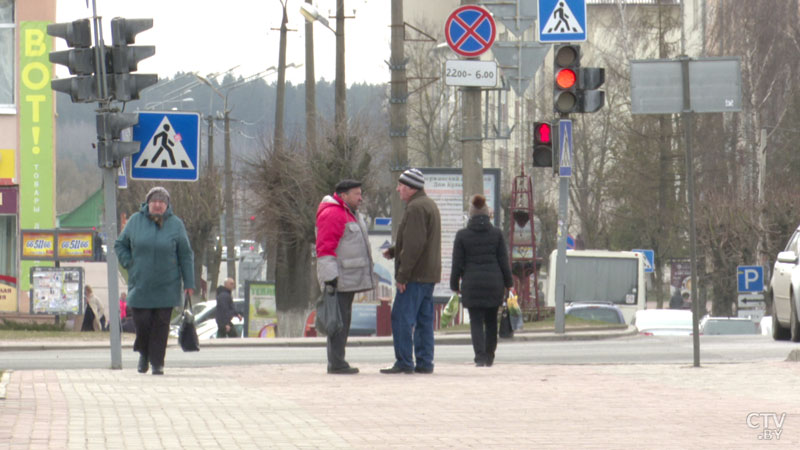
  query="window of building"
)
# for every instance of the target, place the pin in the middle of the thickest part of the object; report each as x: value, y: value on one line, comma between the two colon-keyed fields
x: 8, y: 246
x: 6, y: 54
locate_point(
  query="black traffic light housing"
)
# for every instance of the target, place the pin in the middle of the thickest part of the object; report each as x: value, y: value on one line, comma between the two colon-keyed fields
x: 110, y: 147
x: 542, y: 144
x: 80, y: 60
x: 125, y: 58
x: 589, y: 98
x: 566, y: 69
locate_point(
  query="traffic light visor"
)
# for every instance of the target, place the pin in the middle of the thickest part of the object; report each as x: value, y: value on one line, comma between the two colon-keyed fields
x: 565, y: 78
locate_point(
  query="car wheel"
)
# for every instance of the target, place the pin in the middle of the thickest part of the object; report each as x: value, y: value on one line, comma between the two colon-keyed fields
x: 794, y: 325
x: 779, y: 333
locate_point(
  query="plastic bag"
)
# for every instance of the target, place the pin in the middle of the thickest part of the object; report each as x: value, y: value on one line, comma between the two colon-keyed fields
x: 329, y: 318
x: 450, y: 310
x: 515, y: 312
x: 506, y: 331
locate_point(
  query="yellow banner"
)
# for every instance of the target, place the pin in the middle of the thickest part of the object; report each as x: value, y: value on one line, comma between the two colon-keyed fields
x: 38, y: 245
x: 75, y: 245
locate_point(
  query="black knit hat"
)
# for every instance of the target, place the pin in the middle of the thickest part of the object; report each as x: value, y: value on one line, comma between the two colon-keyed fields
x: 413, y: 178
x: 345, y: 185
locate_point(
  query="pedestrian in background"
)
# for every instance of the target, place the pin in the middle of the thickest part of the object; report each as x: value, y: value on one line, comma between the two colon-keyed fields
x: 155, y: 250
x: 225, y: 311
x: 481, y: 274
x: 417, y: 257
x: 344, y: 261
x: 94, y: 317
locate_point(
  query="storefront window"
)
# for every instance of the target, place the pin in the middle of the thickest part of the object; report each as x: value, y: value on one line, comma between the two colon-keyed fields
x: 8, y: 246
x: 6, y: 53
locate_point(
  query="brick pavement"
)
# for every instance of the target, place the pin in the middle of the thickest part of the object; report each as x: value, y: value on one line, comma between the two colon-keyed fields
x: 507, y: 406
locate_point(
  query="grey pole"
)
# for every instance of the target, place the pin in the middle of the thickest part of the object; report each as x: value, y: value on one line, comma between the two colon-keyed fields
x: 687, y: 116
x: 109, y: 203
x: 471, y: 139
x: 398, y: 114
x: 561, y: 254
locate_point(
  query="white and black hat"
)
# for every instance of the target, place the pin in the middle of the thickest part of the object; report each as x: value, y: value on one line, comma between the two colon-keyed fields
x: 413, y: 178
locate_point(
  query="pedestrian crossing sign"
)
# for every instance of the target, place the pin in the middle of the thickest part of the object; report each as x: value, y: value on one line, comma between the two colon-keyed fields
x: 562, y: 20
x: 169, y: 146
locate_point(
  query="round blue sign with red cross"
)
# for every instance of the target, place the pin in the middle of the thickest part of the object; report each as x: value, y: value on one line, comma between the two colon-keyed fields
x: 470, y: 30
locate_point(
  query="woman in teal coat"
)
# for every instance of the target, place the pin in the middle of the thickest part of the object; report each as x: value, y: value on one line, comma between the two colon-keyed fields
x: 155, y: 250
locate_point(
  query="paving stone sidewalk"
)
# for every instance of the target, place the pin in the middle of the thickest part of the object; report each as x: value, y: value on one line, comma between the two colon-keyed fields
x: 508, y: 406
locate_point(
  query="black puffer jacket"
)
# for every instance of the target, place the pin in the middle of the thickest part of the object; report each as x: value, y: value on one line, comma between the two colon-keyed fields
x: 480, y: 262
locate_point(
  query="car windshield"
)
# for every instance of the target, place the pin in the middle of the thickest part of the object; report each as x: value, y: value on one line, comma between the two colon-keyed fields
x: 595, y: 313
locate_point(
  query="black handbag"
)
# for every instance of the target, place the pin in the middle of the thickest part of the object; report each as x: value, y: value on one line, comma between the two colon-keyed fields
x: 506, y: 331
x: 187, y: 334
x: 328, y: 320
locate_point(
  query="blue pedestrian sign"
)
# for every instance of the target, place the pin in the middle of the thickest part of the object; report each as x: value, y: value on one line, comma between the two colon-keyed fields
x: 170, y: 145
x: 649, y: 259
x: 750, y: 278
x: 565, y: 148
x: 562, y: 20
x: 470, y: 30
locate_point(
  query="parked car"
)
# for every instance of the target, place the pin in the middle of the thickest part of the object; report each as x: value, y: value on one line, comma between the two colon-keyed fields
x: 727, y: 325
x: 204, y: 312
x: 784, y: 291
x: 663, y: 322
x: 601, y: 312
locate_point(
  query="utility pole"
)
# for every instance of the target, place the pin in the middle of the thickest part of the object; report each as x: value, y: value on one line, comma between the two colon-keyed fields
x: 230, y: 239
x: 311, y: 102
x: 398, y: 114
x: 471, y: 138
x: 281, y: 88
x: 340, y: 92
x: 210, y: 149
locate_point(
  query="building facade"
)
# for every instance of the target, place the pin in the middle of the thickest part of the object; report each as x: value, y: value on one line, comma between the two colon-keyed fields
x: 27, y: 154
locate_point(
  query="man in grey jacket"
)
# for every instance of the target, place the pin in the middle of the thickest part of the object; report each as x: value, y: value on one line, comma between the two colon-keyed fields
x: 344, y: 262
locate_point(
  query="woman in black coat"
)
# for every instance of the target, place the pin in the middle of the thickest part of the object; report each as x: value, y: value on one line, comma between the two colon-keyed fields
x: 480, y: 264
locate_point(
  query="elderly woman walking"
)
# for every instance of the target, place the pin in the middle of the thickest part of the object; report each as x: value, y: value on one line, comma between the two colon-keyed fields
x: 155, y: 250
x: 481, y: 274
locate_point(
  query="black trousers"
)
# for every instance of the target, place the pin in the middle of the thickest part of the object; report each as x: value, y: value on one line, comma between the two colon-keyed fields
x: 152, y: 331
x: 338, y: 341
x: 483, y: 329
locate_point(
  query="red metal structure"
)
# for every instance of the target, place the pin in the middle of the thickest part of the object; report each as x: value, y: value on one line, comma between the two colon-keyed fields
x: 522, y: 245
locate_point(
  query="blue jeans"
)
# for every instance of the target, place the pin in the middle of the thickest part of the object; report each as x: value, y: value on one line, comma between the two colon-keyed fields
x: 412, y: 326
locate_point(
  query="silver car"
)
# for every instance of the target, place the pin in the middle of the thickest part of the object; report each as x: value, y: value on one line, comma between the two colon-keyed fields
x: 784, y: 290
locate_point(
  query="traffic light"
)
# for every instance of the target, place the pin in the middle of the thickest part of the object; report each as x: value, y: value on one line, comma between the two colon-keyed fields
x: 122, y: 84
x: 542, y: 144
x: 566, y: 67
x: 80, y: 60
x: 110, y: 147
x: 589, y: 98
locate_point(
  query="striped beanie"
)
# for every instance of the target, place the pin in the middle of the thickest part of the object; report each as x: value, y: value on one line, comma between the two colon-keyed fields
x: 413, y: 178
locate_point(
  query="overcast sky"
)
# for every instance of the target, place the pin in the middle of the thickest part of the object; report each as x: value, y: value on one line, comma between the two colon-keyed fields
x: 208, y: 37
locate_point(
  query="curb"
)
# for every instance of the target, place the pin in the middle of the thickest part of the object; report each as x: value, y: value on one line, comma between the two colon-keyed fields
x: 383, y: 341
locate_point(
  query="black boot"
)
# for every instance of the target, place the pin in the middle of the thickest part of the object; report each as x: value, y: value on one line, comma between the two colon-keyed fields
x: 143, y: 364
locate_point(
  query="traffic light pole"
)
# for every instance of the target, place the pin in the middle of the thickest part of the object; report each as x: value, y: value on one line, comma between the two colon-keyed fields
x: 561, y: 254
x: 110, y: 222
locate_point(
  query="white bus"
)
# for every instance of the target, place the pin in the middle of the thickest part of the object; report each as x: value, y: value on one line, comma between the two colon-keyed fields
x: 601, y: 276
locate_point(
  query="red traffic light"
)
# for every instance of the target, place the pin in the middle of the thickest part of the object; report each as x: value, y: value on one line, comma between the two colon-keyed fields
x: 565, y: 78
x: 252, y: 218
x: 542, y: 133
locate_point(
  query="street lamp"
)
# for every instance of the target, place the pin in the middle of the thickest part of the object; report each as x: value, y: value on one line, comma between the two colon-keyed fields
x: 340, y: 116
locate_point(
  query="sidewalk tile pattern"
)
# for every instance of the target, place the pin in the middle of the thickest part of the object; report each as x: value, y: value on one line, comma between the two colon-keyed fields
x: 508, y: 406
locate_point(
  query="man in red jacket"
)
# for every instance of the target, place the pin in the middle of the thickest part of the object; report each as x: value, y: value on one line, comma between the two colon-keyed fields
x: 344, y: 262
